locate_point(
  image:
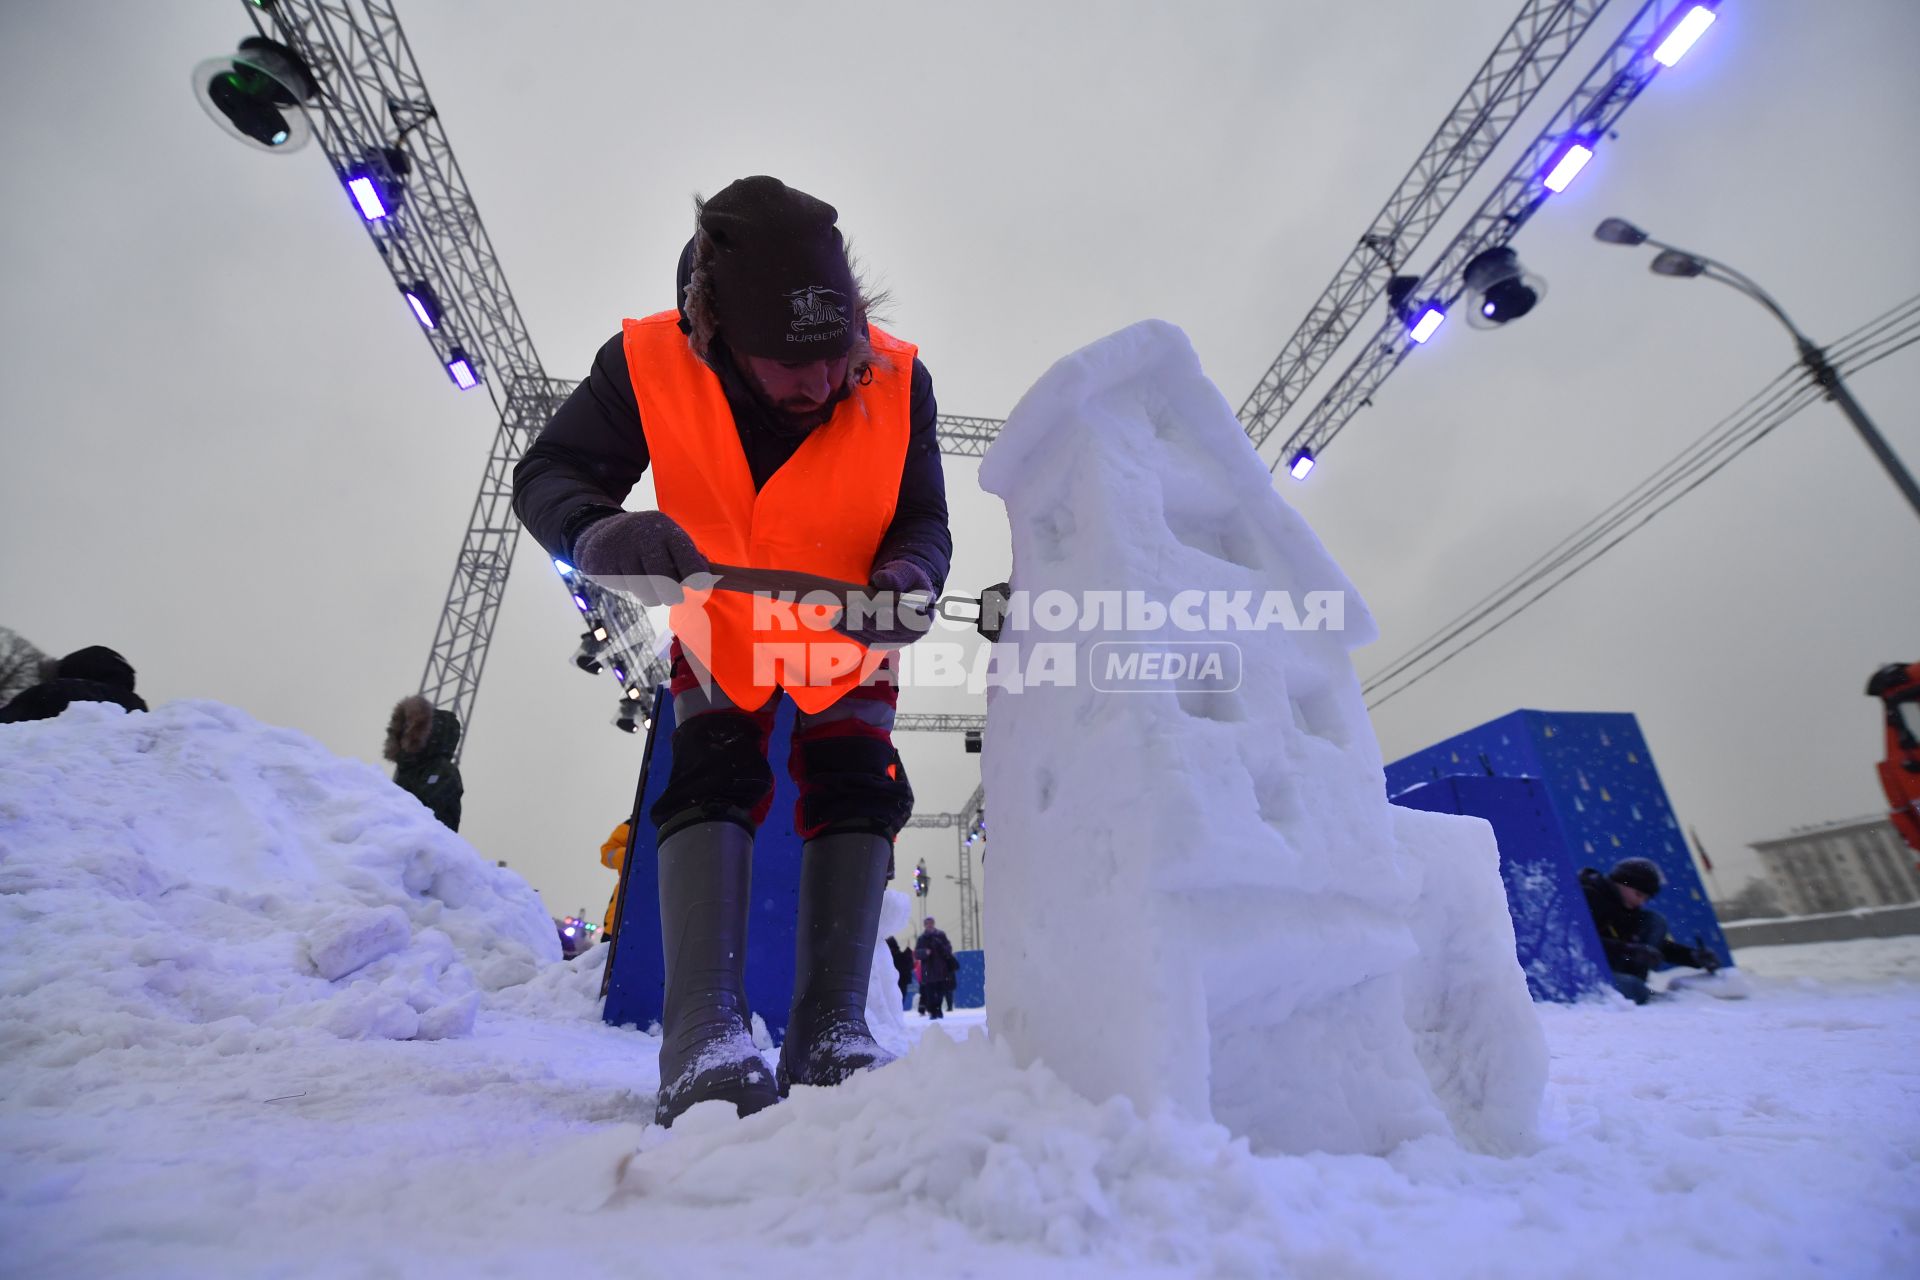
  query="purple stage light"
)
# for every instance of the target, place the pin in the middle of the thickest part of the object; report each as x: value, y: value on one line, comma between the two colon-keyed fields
x: 1569, y: 160
x: 1302, y: 464
x: 1429, y: 321
x: 424, y: 307
x: 582, y: 602
x: 1689, y: 29
x: 563, y: 566
x: 367, y: 196
x: 460, y: 369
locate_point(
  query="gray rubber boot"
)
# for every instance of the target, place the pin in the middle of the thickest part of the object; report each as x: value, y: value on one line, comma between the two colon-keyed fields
x: 841, y: 879
x: 706, y: 1045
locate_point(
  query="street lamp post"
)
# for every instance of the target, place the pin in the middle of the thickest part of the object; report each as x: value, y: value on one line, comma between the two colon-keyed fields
x: 1683, y: 263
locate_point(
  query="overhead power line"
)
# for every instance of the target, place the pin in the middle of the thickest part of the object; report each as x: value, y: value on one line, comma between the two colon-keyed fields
x: 1786, y: 395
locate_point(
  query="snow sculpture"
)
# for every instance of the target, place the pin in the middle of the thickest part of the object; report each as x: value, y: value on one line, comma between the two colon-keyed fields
x: 1200, y: 897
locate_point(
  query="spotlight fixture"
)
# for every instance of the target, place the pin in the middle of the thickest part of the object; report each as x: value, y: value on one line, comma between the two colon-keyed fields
x: 1501, y: 288
x: 254, y: 94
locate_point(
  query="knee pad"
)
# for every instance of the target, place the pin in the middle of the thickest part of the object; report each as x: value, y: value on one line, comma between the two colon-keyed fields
x: 850, y: 782
x: 720, y: 772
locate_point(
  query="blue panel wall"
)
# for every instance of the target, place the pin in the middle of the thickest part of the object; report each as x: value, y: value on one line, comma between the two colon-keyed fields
x: 1605, y: 792
x: 637, y: 970
x: 970, y: 987
x: 1553, y: 935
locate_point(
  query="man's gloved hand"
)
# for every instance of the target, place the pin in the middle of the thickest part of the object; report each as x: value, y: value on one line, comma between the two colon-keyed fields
x: 641, y: 552
x: 1703, y: 958
x: 891, y: 621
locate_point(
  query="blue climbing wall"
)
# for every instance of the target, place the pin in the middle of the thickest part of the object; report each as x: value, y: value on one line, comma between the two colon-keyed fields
x: 637, y: 971
x: 1553, y: 934
x: 1602, y: 788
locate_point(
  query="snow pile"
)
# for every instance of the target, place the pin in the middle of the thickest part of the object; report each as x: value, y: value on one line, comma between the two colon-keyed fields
x: 191, y: 876
x: 1300, y: 960
x: 885, y: 1017
x: 958, y: 1131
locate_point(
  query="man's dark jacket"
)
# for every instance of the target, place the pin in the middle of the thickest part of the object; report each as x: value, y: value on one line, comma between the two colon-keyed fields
x: 593, y: 451
x: 93, y: 674
x: 47, y: 700
x: 1635, y: 938
x: 937, y: 963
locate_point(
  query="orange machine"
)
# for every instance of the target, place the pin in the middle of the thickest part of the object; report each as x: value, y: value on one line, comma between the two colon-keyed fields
x: 1897, y: 685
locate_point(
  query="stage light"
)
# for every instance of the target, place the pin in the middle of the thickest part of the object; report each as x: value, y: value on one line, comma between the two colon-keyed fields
x: 1302, y: 463
x: 425, y: 306
x: 1430, y: 320
x: 366, y: 194
x: 253, y: 93
x: 620, y: 674
x: 460, y: 369
x: 582, y: 602
x: 633, y: 693
x: 1568, y: 161
x: 563, y: 566
x: 1501, y: 288
x: 1692, y: 25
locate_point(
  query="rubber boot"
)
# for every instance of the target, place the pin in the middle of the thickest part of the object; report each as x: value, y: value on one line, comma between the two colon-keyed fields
x: 841, y: 879
x: 706, y: 1044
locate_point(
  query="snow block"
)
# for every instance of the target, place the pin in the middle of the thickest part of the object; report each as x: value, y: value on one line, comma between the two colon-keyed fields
x: 1554, y: 938
x: 637, y: 976
x: 1603, y: 792
x: 1300, y: 961
x: 354, y: 939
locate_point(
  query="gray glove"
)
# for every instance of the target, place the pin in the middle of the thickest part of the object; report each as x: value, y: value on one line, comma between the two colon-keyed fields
x: 641, y: 552
x: 892, y: 593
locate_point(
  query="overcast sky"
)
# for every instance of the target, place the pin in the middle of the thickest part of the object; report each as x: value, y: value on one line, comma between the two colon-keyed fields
x: 229, y: 454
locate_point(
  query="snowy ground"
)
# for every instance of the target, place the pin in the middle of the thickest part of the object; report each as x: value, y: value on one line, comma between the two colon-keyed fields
x: 1772, y: 1136
x: 260, y: 1015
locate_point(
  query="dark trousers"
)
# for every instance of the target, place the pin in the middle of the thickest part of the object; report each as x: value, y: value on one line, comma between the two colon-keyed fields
x: 842, y: 759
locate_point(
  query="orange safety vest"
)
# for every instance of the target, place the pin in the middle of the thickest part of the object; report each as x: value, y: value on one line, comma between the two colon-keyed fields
x: 823, y: 512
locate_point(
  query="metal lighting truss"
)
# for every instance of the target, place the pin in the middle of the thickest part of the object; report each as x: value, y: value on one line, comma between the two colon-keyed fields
x: 1505, y: 85
x: 968, y: 821
x: 1609, y: 89
x: 373, y: 103
x: 930, y: 722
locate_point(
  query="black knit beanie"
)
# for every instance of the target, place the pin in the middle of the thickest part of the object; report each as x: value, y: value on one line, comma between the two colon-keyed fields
x: 782, y: 288
x: 1637, y: 873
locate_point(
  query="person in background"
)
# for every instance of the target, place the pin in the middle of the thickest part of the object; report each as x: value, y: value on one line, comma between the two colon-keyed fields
x: 613, y: 856
x: 421, y: 742
x: 937, y: 969
x: 93, y: 674
x: 903, y: 966
x: 1635, y: 938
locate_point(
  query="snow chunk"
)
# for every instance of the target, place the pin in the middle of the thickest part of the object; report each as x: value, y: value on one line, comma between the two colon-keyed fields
x: 234, y: 877
x: 1300, y: 962
x: 354, y: 939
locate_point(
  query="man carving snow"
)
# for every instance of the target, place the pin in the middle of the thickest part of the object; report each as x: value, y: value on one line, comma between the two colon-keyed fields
x: 785, y: 433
